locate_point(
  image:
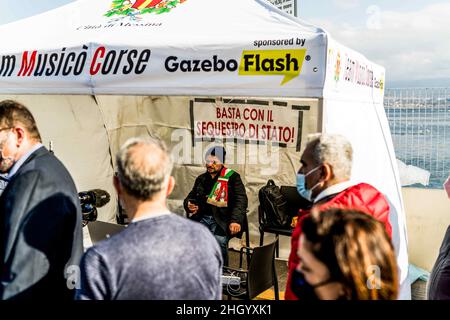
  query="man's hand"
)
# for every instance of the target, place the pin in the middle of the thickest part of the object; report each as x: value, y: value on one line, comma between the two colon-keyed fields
x: 234, y: 228
x: 192, y: 208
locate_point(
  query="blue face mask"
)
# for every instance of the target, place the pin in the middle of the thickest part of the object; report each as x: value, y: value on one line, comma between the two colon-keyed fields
x: 303, y: 290
x: 301, y: 185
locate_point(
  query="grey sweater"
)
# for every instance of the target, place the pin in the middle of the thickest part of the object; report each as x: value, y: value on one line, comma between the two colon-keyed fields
x: 164, y: 257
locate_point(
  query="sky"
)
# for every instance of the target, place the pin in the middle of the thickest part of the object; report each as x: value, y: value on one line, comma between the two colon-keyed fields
x: 409, y: 38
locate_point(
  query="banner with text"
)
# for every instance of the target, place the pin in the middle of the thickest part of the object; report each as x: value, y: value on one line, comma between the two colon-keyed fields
x: 248, y: 122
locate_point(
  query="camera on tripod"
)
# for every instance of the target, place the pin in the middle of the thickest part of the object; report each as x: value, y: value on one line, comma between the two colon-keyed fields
x: 90, y: 201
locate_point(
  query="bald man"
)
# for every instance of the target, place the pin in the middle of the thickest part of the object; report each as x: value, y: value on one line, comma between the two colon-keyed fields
x: 159, y: 255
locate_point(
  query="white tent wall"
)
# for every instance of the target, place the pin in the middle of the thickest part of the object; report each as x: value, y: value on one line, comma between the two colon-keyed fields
x: 75, y: 126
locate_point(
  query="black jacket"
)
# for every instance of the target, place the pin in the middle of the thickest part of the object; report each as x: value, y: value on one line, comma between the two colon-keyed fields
x: 439, y: 283
x: 40, y: 231
x: 237, y: 201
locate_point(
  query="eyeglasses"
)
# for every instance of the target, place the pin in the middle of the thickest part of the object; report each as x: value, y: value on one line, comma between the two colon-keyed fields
x: 1, y: 129
x: 211, y: 162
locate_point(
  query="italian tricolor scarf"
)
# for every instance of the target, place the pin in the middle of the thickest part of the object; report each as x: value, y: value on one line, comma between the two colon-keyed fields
x: 219, y: 193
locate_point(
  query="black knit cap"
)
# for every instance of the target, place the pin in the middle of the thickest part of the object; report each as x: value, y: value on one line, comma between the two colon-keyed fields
x: 218, y: 152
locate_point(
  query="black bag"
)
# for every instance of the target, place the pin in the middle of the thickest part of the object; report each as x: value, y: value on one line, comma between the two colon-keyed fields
x: 274, y: 205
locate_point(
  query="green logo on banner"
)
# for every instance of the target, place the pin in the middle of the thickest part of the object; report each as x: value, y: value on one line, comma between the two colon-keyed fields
x: 132, y: 8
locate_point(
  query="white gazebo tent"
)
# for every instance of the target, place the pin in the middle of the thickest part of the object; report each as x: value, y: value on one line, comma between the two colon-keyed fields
x: 196, y: 72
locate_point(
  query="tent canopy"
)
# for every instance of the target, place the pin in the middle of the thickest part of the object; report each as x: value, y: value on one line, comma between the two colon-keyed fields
x: 178, y: 47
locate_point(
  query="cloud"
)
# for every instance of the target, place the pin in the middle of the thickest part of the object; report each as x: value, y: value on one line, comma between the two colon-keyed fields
x: 410, y: 45
x: 346, y: 4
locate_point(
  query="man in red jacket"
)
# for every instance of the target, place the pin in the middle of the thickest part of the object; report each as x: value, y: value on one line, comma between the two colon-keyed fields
x: 323, y: 179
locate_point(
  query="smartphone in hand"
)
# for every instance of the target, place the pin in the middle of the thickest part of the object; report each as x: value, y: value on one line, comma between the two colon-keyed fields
x: 193, y: 201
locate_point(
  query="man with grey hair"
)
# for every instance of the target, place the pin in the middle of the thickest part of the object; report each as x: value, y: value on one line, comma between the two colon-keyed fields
x: 324, y: 180
x: 159, y: 255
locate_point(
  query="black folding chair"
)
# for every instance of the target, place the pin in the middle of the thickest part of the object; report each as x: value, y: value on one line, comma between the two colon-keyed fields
x: 260, y: 275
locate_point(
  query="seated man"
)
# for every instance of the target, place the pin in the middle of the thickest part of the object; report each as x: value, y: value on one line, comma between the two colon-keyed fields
x: 218, y: 200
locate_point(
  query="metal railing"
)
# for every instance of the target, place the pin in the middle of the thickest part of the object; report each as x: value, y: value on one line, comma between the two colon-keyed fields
x: 419, y: 119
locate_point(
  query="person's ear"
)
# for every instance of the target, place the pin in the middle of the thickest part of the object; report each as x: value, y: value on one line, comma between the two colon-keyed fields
x: 327, y: 172
x: 170, y: 186
x: 20, y: 134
